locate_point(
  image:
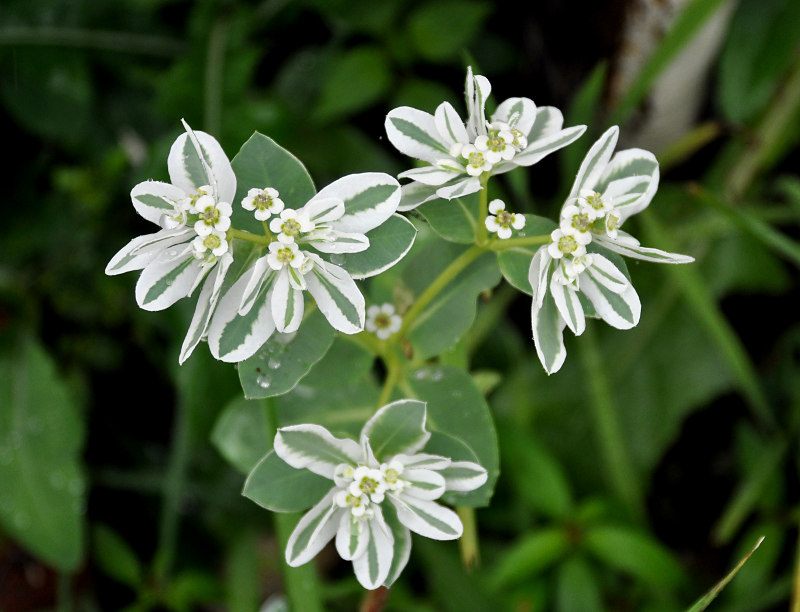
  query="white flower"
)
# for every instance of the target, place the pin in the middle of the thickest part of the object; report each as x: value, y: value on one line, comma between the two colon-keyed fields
x: 265, y: 202
x: 606, y: 191
x: 501, y: 222
x: 176, y: 260
x: 374, y: 500
x: 290, y: 225
x: 382, y: 320
x: 270, y: 295
x: 458, y: 153
x: 213, y: 242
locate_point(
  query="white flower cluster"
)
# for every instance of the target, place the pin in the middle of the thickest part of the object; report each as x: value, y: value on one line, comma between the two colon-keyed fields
x: 607, y: 190
x: 501, y: 222
x: 459, y: 153
x: 375, y: 502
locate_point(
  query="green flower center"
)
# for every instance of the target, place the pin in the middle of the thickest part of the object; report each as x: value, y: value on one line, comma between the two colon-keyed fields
x: 199, y: 194
x: 211, y: 242
x: 567, y: 244
x: 290, y: 227
x: 368, y: 485
x: 581, y: 222
x: 210, y: 216
x: 612, y: 222
x: 496, y: 143
x: 391, y: 476
x: 504, y: 218
x: 595, y: 201
x: 263, y: 201
x: 383, y: 321
x: 476, y: 159
x: 516, y: 133
x: 285, y: 255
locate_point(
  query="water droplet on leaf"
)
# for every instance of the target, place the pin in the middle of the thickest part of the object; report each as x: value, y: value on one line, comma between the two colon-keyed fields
x: 274, y: 364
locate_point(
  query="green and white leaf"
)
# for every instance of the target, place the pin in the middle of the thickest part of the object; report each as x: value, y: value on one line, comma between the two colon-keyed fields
x: 388, y: 244
x: 314, y: 448
x: 396, y: 428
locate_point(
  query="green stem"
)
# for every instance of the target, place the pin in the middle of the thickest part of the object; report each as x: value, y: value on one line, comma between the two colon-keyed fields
x: 481, y: 233
x: 247, y: 236
x: 172, y: 492
x: 301, y: 583
x: 427, y: 296
x: 214, y: 70
x: 393, y: 371
x: 510, y: 243
x: 468, y: 543
x: 623, y: 478
x: 102, y: 40
x: 64, y: 592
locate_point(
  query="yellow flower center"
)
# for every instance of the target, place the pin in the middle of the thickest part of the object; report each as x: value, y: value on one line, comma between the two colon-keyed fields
x: 581, y: 222
x: 476, y: 159
x: 290, y: 227
x: 504, y: 218
x: 285, y: 255
x: 567, y: 244
x: 211, y: 242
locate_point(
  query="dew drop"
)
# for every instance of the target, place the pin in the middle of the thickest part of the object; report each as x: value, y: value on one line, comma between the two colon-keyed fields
x: 422, y: 374
x: 521, y: 234
x: 264, y: 382
x: 273, y: 364
x: 437, y: 376
x: 337, y: 258
x: 285, y: 339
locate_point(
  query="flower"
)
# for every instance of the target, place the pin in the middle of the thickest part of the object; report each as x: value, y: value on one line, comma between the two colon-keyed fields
x: 459, y: 153
x: 383, y: 487
x: 264, y: 202
x: 501, y: 221
x: 270, y: 294
x: 382, y: 320
x: 583, y: 255
x: 191, y: 248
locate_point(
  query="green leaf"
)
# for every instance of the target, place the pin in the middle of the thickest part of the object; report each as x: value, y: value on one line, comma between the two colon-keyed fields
x: 457, y: 409
x: 454, y: 220
x: 758, y: 51
x: 451, y: 313
x: 397, y: 428
x: 355, y: 80
x: 286, y: 358
x: 260, y: 163
x: 440, y: 30
x: 388, y: 244
x: 529, y: 556
x: 537, y: 476
x: 115, y: 557
x: 41, y: 434
x: 576, y: 588
x: 635, y: 553
x: 275, y: 485
x: 515, y: 262
x: 242, y: 434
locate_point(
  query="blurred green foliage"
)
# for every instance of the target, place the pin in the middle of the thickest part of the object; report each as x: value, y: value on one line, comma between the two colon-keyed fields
x: 700, y: 404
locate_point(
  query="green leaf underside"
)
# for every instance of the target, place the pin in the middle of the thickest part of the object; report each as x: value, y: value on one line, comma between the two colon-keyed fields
x: 369, y: 198
x: 457, y: 409
x: 156, y: 201
x: 41, y: 435
x: 402, y: 540
x: 372, y: 555
x: 342, y: 303
x: 241, y: 326
x: 414, y: 132
x: 277, y: 486
x: 397, y: 429
x: 260, y: 163
x: 387, y: 244
x: 304, y: 537
x: 616, y: 302
x: 640, y: 166
x: 454, y: 220
x: 161, y: 285
x: 284, y: 359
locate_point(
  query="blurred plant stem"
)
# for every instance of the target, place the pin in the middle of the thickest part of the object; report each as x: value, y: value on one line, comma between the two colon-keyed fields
x: 64, y: 592
x: 622, y: 476
x: 102, y: 40
x: 301, y: 583
x: 771, y: 136
x: 214, y: 71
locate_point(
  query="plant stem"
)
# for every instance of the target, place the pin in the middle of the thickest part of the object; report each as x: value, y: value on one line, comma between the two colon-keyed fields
x: 468, y: 543
x: 103, y: 40
x: 510, y: 243
x: 64, y: 592
x: 623, y: 478
x: 214, y: 71
x: 427, y: 296
x: 301, y: 583
x: 247, y: 236
x: 481, y: 233
x: 393, y: 372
